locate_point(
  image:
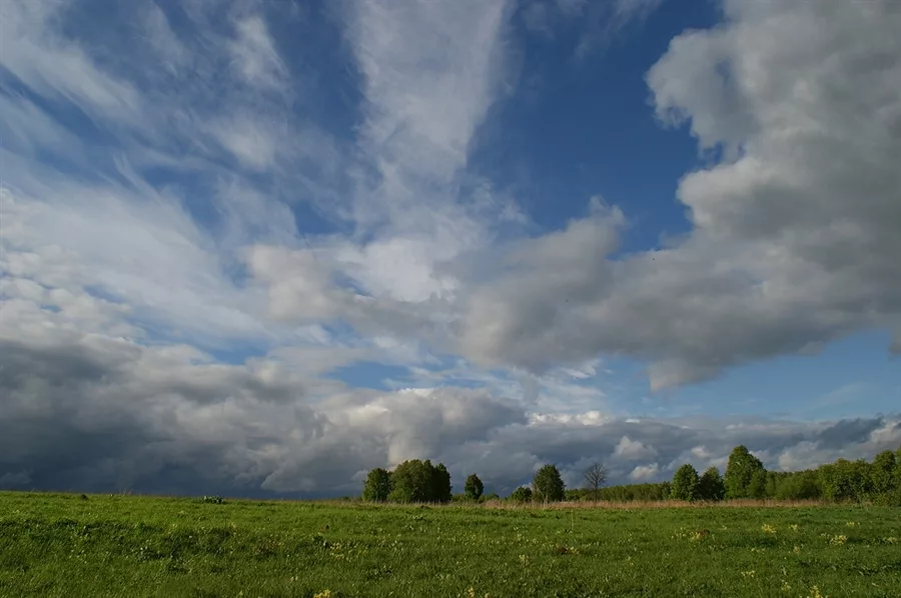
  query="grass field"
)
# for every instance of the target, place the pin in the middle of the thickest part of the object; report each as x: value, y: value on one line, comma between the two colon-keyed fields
x: 61, y: 545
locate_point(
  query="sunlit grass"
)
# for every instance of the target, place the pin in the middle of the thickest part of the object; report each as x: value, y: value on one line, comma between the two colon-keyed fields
x: 61, y: 545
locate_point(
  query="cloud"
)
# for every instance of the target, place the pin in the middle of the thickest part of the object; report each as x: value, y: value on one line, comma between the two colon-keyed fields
x: 633, y: 450
x: 793, y: 230
x: 644, y: 473
x: 165, y: 326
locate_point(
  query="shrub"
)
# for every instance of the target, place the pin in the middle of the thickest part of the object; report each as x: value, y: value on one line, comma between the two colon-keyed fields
x: 521, y: 494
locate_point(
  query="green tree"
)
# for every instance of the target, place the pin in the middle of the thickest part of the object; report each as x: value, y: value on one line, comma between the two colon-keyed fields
x: 377, y: 486
x: 757, y: 486
x: 883, y: 472
x: 474, y: 487
x: 739, y: 472
x: 685, y: 483
x: 846, y: 480
x: 420, y: 481
x: 441, y: 484
x: 711, y: 485
x: 521, y: 494
x: 547, y: 485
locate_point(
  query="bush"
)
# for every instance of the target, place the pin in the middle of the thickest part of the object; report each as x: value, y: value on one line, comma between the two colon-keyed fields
x: 521, y: 494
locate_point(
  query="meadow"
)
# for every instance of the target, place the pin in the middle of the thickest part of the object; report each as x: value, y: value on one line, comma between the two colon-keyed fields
x: 63, y: 545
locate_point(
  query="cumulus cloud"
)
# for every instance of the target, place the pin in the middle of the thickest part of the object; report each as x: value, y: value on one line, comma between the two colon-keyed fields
x: 794, y: 232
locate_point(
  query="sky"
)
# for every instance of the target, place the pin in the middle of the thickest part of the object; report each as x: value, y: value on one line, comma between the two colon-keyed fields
x: 258, y: 248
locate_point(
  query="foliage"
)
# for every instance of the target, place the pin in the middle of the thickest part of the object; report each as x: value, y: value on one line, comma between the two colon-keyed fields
x: 711, y: 485
x: 740, y: 472
x: 377, y: 486
x: 58, y: 545
x: 411, y: 481
x: 474, y: 487
x: 595, y: 477
x: 846, y: 480
x: 521, y: 494
x: 547, y: 485
x: 685, y: 483
x: 441, y: 484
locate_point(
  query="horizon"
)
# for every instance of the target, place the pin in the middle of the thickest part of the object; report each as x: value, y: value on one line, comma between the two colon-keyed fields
x: 257, y: 249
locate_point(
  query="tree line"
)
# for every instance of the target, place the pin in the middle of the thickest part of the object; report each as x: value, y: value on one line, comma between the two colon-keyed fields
x: 416, y: 481
x: 878, y: 481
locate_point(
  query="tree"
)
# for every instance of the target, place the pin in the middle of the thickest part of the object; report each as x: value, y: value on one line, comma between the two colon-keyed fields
x: 739, y: 471
x: 883, y: 472
x: 441, y: 484
x: 711, y: 485
x: 420, y: 481
x: 685, y: 483
x: 474, y: 487
x: 521, y: 494
x: 595, y: 477
x: 547, y: 485
x: 757, y: 486
x: 377, y: 486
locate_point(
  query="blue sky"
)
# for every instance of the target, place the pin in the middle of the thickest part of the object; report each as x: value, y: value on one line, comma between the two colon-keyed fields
x: 355, y: 233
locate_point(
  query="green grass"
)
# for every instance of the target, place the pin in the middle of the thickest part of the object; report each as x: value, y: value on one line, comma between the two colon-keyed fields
x: 60, y: 545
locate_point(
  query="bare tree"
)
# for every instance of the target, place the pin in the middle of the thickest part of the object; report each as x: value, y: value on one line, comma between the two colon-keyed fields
x: 595, y: 477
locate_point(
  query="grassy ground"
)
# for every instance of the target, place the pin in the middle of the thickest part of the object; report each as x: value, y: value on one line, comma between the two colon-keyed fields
x: 60, y: 545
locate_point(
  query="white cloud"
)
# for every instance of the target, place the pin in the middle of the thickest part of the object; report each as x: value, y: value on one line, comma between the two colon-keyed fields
x: 132, y: 258
x: 633, y: 450
x: 644, y: 473
x: 253, y: 50
x: 793, y: 237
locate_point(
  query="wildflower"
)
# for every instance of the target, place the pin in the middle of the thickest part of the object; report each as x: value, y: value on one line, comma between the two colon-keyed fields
x: 748, y: 574
x: 815, y: 593
x: 797, y: 550
x: 890, y: 540
x: 794, y: 527
x: 852, y: 524
x: 768, y: 529
x: 838, y: 540
x: 785, y: 586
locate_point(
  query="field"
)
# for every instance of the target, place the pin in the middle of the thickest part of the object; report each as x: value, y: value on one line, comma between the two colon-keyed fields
x: 62, y: 545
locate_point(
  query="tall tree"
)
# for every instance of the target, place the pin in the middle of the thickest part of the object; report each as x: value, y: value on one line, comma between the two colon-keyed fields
x: 547, y: 485
x: 441, y: 484
x: 595, y: 477
x: 685, y: 483
x: 711, y: 485
x: 377, y: 486
x: 474, y: 487
x: 739, y: 472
